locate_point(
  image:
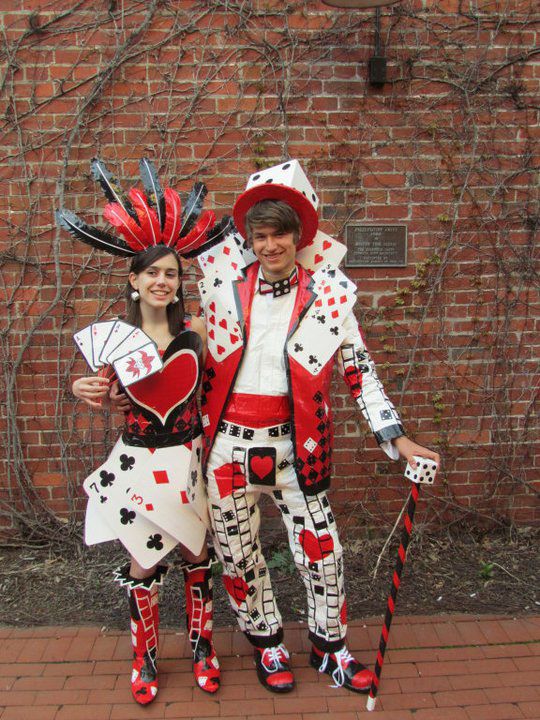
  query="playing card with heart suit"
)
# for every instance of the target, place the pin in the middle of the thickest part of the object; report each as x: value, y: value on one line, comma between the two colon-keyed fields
x: 83, y: 340
x: 136, y: 339
x: 110, y: 486
x: 120, y: 331
x: 161, y: 495
x: 262, y: 465
x: 139, y: 364
x: 175, y: 384
x: 321, y: 251
x: 223, y: 331
x: 100, y: 333
x: 336, y: 294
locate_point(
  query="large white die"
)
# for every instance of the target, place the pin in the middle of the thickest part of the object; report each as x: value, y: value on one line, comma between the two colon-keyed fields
x: 289, y: 174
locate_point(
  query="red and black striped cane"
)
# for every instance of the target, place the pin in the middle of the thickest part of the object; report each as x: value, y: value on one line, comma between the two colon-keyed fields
x: 391, y: 604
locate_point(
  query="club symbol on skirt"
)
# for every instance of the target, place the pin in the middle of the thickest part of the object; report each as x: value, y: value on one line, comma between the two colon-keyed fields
x: 126, y: 462
x: 107, y: 478
x: 127, y: 516
x: 154, y: 542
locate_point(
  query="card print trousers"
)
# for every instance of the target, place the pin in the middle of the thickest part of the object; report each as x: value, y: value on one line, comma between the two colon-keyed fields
x: 245, y: 463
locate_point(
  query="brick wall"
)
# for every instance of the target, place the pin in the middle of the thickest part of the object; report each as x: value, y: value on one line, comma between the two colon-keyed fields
x: 213, y: 90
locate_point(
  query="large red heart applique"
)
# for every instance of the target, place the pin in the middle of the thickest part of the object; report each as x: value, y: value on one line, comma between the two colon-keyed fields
x: 316, y: 548
x: 164, y: 391
x: 236, y: 587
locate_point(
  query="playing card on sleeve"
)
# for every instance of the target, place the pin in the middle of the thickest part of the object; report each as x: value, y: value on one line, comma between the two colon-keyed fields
x: 138, y: 364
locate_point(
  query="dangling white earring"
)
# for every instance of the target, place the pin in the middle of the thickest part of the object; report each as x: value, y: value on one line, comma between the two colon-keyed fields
x: 135, y: 295
x: 175, y: 300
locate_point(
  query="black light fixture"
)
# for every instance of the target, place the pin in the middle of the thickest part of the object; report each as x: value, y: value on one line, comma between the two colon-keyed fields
x: 377, y: 62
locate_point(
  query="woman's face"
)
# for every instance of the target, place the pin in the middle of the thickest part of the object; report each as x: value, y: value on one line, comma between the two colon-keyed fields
x: 158, y: 283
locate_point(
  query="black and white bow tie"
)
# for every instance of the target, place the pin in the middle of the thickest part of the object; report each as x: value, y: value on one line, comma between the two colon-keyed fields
x: 278, y: 287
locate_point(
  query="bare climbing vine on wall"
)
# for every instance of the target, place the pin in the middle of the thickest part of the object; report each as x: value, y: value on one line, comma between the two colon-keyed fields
x: 216, y: 89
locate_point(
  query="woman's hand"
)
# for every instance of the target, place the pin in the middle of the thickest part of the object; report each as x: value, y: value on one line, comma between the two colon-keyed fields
x: 119, y: 400
x: 93, y: 390
x: 408, y: 449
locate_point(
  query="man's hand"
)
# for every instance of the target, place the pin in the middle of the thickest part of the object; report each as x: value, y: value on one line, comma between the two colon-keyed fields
x: 119, y: 400
x: 93, y: 390
x: 408, y: 449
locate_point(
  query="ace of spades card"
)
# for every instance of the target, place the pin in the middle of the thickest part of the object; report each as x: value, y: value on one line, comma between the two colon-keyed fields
x: 109, y: 487
x: 160, y: 494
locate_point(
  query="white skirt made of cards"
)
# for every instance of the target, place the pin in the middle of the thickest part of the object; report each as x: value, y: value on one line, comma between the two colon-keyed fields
x: 149, y: 499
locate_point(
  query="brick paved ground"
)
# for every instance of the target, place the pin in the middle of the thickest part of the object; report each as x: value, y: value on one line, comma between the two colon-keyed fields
x: 437, y: 668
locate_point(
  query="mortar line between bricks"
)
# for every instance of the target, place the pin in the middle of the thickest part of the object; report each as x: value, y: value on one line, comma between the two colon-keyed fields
x: 468, y: 645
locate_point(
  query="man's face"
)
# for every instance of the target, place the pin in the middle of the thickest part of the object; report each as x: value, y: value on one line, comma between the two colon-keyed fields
x: 275, y: 250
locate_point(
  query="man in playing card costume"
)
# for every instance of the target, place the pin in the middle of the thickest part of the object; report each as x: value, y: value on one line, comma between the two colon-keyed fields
x: 275, y: 330
x: 149, y: 493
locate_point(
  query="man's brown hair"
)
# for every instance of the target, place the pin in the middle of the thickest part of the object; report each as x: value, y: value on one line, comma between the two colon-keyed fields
x: 276, y: 214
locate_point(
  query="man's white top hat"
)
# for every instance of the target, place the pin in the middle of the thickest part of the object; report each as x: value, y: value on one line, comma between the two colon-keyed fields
x: 286, y: 182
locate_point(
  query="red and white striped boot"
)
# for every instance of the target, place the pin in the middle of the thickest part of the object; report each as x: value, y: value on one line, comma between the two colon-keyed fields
x: 143, y: 605
x: 199, y: 613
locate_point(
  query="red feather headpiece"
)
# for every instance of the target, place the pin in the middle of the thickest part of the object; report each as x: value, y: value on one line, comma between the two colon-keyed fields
x: 154, y: 217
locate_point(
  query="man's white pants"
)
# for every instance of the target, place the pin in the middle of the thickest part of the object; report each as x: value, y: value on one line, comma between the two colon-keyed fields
x: 243, y: 464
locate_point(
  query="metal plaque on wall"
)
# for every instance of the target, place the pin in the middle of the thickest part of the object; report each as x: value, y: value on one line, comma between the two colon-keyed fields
x: 375, y: 245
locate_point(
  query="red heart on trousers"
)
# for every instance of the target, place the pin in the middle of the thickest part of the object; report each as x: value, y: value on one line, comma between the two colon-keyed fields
x: 164, y: 391
x: 261, y: 466
x: 318, y: 258
x: 236, y: 587
x: 223, y: 323
x: 316, y: 548
x: 326, y: 244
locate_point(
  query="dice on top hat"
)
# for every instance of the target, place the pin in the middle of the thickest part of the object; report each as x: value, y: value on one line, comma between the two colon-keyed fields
x: 286, y: 182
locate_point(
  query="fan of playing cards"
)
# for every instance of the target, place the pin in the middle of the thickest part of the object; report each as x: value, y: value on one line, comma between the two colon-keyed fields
x: 128, y: 349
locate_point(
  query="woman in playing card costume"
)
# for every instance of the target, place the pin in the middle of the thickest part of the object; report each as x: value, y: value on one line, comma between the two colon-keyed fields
x: 149, y: 492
